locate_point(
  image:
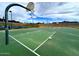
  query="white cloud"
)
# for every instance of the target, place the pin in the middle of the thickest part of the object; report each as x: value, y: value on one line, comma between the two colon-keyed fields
x: 65, y: 10
x: 68, y: 11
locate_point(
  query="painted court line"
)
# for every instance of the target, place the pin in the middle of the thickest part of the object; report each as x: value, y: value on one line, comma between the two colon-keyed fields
x: 2, y: 31
x: 44, y: 41
x: 73, y: 34
x: 34, y: 31
x: 30, y: 32
x: 24, y: 45
x: 23, y: 29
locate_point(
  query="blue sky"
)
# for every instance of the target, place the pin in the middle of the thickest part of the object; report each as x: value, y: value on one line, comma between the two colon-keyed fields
x: 44, y: 12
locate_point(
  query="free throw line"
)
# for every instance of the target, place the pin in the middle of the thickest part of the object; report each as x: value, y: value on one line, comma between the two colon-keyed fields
x: 44, y: 41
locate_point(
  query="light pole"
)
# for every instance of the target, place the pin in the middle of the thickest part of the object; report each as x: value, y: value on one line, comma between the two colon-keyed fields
x: 47, y: 23
x: 11, y: 19
x: 3, y: 21
x: 31, y: 17
x: 6, y: 20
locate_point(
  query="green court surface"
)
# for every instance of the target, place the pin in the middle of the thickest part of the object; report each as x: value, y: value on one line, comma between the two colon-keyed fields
x: 41, y: 42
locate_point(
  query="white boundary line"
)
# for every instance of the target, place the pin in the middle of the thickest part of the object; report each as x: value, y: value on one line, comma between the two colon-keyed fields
x: 72, y: 34
x: 34, y: 31
x: 2, y: 31
x: 31, y: 32
x: 44, y: 41
x: 24, y: 45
